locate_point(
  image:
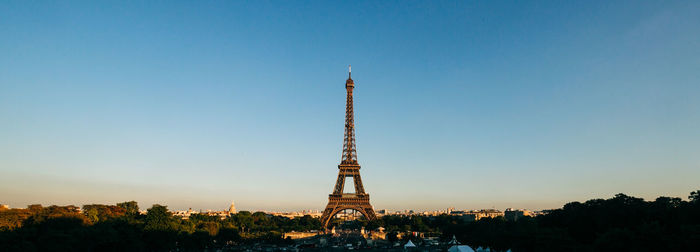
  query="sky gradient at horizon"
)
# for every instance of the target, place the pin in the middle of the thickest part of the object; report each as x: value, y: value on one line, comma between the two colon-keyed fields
x: 457, y: 104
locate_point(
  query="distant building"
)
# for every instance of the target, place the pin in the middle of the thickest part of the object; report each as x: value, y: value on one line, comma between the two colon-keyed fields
x: 292, y: 215
x: 477, y: 214
x: 4, y: 207
x: 486, y: 213
x: 221, y: 214
x: 299, y: 235
x: 232, y: 208
x: 185, y: 214
x: 515, y: 214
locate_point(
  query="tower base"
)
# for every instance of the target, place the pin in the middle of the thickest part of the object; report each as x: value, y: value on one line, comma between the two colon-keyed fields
x: 340, y: 202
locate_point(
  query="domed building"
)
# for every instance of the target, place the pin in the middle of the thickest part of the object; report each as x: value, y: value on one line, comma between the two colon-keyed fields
x: 232, y: 208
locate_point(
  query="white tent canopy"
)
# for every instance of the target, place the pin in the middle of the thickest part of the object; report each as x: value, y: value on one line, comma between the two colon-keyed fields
x: 409, y: 244
x: 460, y: 248
x: 465, y: 248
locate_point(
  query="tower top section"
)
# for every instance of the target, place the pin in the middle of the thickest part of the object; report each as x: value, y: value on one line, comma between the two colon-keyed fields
x: 349, y: 153
x: 349, y: 83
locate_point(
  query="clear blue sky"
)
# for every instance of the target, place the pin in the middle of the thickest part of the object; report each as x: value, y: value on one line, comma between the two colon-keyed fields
x: 470, y: 104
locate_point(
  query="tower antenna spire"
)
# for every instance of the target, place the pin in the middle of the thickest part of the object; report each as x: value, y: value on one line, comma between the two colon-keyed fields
x: 349, y: 71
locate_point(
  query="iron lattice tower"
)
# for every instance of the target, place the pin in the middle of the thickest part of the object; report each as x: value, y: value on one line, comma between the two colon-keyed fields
x: 348, y: 167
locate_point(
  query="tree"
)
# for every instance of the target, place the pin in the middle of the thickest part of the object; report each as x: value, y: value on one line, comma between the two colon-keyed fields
x: 227, y: 235
x: 667, y: 202
x: 159, y: 219
x: 160, y: 229
x: 98, y: 212
x: 392, y: 237
x: 92, y: 215
x: 13, y: 218
x: 244, y: 219
x: 35, y: 208
x: 131, y: 207
x: 694, y: 196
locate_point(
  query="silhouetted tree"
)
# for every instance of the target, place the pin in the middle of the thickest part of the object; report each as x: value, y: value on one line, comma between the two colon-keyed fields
x: 694, y: 196
x: 131, y: 207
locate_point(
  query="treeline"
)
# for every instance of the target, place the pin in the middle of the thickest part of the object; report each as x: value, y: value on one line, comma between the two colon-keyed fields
x: 121, y: 228
x: 621, y: 223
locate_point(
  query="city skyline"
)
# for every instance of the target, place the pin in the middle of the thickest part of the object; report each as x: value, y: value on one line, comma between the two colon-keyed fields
x: 459, y: 104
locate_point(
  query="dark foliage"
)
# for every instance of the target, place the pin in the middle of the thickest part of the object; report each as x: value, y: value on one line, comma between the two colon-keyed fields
x: 122, y: 228
x: 621, y: 223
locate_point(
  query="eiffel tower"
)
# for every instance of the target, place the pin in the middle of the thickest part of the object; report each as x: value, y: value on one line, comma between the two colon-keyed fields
x: 348, y: 167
